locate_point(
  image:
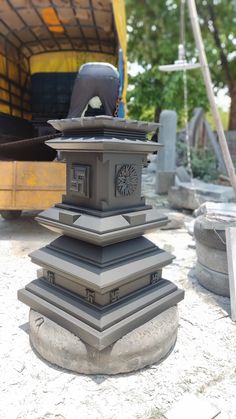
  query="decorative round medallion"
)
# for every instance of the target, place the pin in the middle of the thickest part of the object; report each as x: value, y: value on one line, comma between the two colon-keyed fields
x: 126, y: 180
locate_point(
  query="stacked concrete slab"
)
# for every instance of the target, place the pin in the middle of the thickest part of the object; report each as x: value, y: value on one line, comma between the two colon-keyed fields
x: 101, y: 278
x: 210, y: 235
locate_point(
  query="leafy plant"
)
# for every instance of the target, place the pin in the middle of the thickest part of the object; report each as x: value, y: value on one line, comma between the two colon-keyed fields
x: 153, y: 37
x: 203, y: 162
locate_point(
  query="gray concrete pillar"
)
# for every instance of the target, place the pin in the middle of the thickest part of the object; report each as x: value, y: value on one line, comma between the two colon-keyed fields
x: 166, y: 157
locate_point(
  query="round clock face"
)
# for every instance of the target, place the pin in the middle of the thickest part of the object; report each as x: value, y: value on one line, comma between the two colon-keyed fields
x: 126, y: 180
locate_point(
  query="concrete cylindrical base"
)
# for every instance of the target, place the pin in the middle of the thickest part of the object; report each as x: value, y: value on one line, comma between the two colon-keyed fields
x: 148, y: 344
x: 214, y: 281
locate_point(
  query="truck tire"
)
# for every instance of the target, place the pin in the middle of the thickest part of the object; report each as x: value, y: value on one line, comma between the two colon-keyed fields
x: 209, y: 237
x: 10, y: 214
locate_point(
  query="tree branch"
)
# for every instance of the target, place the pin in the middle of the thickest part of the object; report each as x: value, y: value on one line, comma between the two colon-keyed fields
x: 215, y: 34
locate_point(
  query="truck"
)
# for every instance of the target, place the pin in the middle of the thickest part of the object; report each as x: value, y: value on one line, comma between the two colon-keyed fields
x: 42, y: 46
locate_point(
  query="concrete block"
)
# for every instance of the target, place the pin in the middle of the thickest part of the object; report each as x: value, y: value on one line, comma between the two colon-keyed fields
x: 68, y: 217
x: 176, y: 221
x: 164, y: 180
x: 182, y: 174
x: 218, y: 210
x: 191, y: 195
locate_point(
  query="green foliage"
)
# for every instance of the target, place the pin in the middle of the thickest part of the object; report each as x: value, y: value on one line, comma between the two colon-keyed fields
x: 224, y: 118
x: 204, y: 165
x: 153, y: 90
x: 203, y: 162
x: 153, y: 35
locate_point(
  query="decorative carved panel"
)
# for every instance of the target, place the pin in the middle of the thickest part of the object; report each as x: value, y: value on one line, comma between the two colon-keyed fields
x: 51, y: 277
x: 79, y: 179
x: 114, y: 295
x: 126, y: 180
x: 90, y: 296
x: 155, y: 276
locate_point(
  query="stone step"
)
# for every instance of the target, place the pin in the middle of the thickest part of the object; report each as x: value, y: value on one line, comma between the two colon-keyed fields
x: 88, y: 333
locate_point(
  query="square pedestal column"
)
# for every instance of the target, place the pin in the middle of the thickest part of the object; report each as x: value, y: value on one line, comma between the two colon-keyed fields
x: 101, y: 278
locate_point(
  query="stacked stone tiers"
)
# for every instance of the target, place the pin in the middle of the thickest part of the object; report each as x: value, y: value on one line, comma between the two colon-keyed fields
x: 101, y: 278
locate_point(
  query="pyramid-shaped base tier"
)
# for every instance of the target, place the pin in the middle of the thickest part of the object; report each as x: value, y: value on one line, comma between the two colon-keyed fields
x: 103, y: 230
x: 101, y: 274
x: 97, y: 326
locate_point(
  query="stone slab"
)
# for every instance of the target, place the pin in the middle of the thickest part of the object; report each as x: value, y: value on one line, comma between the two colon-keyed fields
x: 95, y: 338
x: 156, y: 338
x: 216, y: 192
x: 164, y: 180
x: 231, y: 256
x: 103, y: 121
x: 93, y: 144
x: 217, y: 215
x: 179, y: 198
x: 182, y: 174
x: 191, y: 195
x: 176, y: 221
x: 99, y: 317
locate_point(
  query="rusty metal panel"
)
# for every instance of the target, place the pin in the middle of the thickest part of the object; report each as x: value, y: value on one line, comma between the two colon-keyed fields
x: 40, y: 176
x: 31, y: 185
x: 36, y: 200
x: 6, y: 175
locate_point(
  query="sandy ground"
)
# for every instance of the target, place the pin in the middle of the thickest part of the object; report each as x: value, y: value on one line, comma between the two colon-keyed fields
x: 203, y: 361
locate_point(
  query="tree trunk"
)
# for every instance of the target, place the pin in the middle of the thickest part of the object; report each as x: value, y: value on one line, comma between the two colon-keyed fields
x: 232, y: 115
x: 157, y: 114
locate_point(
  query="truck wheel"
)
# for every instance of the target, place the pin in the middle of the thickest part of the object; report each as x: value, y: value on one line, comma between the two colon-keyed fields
x: 10, y: 214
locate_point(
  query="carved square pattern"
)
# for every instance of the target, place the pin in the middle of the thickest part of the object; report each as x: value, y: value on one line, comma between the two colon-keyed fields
x: 79, y: 179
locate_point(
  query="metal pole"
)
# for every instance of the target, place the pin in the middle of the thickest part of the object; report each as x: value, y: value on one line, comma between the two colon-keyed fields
x: 210, y: 93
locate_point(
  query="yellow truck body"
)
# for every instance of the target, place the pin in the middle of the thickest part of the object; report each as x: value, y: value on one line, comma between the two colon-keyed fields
x: 39, y: 38
x: 31, y: 185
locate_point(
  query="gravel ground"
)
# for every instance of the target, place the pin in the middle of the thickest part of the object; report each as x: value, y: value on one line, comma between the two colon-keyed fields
x: 203, y: 361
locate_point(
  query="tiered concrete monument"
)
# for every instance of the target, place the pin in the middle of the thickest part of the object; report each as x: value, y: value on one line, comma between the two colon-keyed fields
x: 101, y: 284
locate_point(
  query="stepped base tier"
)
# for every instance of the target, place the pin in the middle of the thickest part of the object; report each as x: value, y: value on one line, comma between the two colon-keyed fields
x: 100, y: 283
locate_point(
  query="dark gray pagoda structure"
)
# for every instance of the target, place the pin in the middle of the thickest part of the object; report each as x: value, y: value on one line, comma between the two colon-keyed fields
x: 101, y: 278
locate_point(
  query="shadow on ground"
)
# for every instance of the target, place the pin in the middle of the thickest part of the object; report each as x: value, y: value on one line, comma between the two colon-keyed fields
x: 25, y: 226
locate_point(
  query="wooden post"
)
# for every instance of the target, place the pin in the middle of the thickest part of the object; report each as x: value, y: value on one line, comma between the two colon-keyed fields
x: 231, y: 257
x: 210, y: 93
